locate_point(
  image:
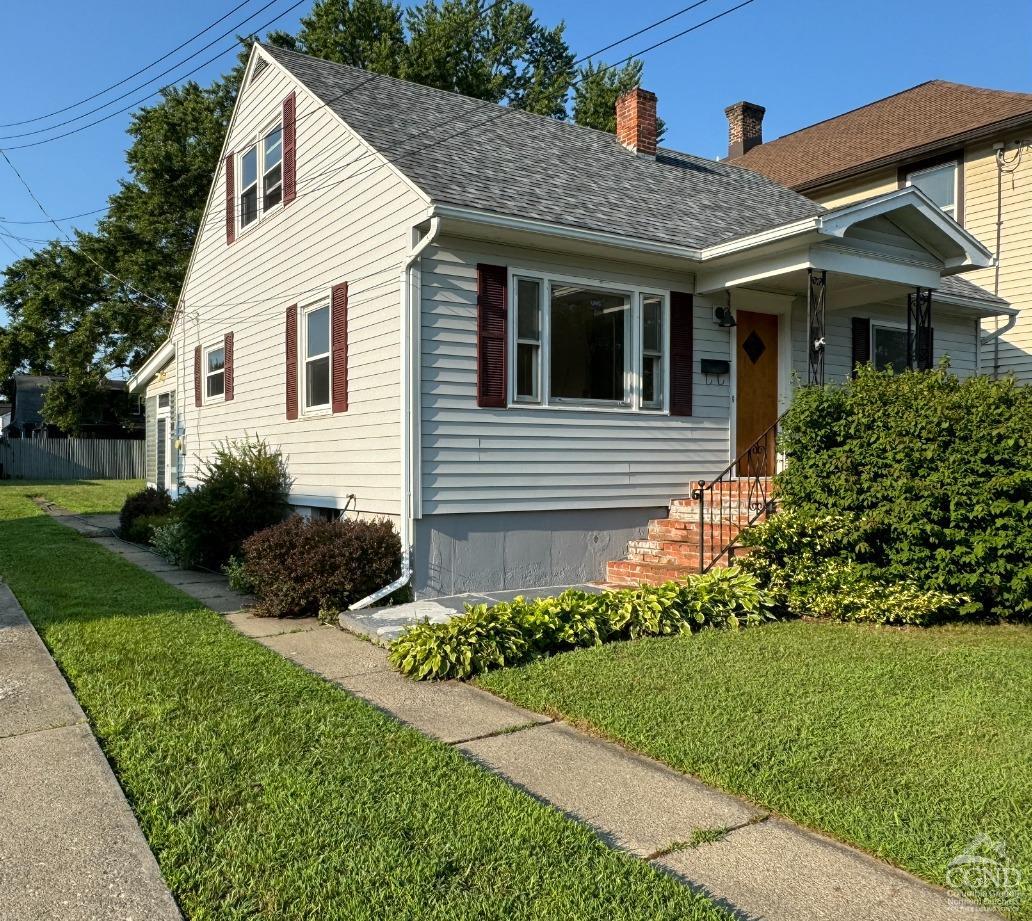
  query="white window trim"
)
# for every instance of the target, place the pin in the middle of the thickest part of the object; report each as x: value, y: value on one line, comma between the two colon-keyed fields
x: 257, y: 141
x: 956, y: 182
x: 205, y: 352
x: 323, y: 409
x: 885, y: 324
x: 633, y: 368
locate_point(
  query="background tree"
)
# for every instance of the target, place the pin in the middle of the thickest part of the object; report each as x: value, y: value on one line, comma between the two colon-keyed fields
x: 597, y: 89
x: 68, y: 318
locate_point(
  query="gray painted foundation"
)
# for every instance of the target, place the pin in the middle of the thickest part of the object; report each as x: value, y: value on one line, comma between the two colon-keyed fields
x: 496, y: 551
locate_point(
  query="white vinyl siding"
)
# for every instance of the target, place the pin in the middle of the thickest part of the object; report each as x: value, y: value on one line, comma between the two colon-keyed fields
x: 529, y: 457
x: 338, y: 229
x: 955, y: 336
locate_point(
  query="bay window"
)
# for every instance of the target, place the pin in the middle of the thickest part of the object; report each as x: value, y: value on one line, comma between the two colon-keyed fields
x: 574, y: 344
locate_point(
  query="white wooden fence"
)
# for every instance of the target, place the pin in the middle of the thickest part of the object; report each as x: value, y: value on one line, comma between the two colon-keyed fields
x: 71, y: 459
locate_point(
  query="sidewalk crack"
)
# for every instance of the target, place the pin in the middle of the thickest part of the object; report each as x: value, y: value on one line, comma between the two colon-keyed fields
x: 703, y: 836
x: 508, y: 730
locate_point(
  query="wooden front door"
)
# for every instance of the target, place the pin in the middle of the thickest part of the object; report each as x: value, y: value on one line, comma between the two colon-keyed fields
x: 757, y: 373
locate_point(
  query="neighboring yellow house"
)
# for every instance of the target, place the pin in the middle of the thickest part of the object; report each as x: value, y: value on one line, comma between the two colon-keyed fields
x: 969, y: 149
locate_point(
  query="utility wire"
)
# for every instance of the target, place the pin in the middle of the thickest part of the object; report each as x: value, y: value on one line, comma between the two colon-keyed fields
x: 135, y: 89
x: 156, y: 92
x: 164, y: 57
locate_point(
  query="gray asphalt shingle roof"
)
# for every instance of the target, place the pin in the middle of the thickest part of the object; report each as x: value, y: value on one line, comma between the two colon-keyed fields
x: 958, y: 286
x: 466, y: 152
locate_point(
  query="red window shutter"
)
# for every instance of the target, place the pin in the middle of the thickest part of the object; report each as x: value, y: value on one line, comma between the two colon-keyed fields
x: 230, y: 201
x: 197, y: 376
x: 292, y: 361
x: 682, y: 335
x: 289, y: 149
x: 339, y: 346
x: 227, y: 345
x: 492, y: 353
x: 861, y: 342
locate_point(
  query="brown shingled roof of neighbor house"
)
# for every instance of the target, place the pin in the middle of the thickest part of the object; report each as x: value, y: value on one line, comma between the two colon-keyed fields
x: 916, y: 121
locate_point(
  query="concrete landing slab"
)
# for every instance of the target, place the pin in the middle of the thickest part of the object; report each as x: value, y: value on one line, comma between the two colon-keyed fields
x: 632, y: 802
x: 446, y: 710
x: 329, y: 652
x: 777, y: 872
x: 384, y: 624
x: 258, y: 627
x: 70, y: 847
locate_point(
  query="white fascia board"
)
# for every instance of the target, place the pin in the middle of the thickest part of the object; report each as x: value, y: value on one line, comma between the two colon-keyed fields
x: 530, y: 225
x: 975, y: 305
x: 835, y: 223
x: 151, y: 366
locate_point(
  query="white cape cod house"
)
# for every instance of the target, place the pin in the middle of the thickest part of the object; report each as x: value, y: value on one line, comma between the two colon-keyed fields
x: 514, y: 335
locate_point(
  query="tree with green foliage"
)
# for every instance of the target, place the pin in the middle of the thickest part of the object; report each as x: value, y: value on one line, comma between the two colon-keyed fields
x: 67, y: 317
x: 597, y: 88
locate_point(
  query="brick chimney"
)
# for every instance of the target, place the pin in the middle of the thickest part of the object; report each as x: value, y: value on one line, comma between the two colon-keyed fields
x: 744, y: 127
x: 636, y: 121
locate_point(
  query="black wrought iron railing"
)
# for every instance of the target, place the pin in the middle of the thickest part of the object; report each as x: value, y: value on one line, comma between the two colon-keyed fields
x: 740, y: 496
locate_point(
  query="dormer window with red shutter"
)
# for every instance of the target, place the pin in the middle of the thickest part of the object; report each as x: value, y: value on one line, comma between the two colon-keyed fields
x: 264, y: 171
x: 563, y: 342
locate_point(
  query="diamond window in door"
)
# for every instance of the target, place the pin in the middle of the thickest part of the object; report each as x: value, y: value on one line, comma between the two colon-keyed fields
x: 754, y: 347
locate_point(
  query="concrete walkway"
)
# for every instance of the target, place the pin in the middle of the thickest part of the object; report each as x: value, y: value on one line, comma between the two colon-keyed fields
x: 756, y: 865
x: 70, y: 847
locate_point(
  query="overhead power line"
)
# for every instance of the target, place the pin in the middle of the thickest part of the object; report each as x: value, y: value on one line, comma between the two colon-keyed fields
x: 106, y: 89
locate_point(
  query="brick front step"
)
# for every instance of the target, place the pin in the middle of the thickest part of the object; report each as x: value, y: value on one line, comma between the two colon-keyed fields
x: 671, y: 552
x: 673, y: 529
x: 634, y: 572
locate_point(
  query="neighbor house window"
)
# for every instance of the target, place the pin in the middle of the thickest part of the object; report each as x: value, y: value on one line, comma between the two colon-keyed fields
x: 939, y: 183
x: 316, y: 334
x: 249, y: 186
x: 651, y: 351
x: 272, y: 169
x: 528, y: 340
x: 215, y: 372
x: 889, y: 347
x: 590, y: 344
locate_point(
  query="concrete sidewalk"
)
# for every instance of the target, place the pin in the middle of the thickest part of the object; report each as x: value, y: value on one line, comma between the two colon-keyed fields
x: 70, y: 847
x: 756, y: 865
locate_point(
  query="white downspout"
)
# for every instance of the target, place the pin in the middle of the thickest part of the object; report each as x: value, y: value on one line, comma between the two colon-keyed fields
x: 407, y: 473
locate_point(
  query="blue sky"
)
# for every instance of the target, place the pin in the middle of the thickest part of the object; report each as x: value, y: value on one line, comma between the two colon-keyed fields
x: 804, y: 60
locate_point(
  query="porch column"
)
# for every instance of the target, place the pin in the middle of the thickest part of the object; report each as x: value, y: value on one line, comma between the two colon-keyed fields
x: 919, y: 329
x: 815, y: 310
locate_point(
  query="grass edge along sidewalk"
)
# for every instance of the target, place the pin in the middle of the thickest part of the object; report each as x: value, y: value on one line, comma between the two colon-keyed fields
x: 265, y: 791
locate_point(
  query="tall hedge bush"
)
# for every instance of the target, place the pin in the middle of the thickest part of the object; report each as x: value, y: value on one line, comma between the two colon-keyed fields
x: 936, y: 471
x: 244, y: 488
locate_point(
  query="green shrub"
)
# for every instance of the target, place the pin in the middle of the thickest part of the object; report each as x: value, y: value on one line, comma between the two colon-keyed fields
x: 147, y: 502
x: 236, y: 571
x: 170, y: 542
x: 813, y: 567
x: 519, y: 631
x: 302, y: 566
x: 141, y: 530
x: 244, y: 488
x: 936, y: 472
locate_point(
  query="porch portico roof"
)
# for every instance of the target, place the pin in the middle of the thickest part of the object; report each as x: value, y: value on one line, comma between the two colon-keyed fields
x: 873, y: 248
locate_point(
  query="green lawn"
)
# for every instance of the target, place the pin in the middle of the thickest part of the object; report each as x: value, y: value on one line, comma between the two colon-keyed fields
x: 87, y: 497
x: 266, y: 792
x: 906, y: 743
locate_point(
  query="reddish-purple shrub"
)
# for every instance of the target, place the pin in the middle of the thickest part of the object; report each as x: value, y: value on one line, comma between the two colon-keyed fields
x: 302, y: 566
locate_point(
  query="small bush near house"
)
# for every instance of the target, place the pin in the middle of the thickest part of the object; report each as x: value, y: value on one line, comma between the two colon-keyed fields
x: 147, y: 502
x: 236, y: 571
x: 809, y: 567
x: 302, y: 566
x: 169, y: 542
x: 244, y: 488
x: 141, y: 531
x: 934, y: 476
x: 516, y: 632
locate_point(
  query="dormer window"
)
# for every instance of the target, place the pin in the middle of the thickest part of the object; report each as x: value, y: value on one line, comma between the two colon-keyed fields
x: 272, y: 177
x: 261, y: 164
x: 249, y: 186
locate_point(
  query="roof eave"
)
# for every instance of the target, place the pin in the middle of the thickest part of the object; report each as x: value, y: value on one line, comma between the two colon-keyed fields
x: 151, y: 366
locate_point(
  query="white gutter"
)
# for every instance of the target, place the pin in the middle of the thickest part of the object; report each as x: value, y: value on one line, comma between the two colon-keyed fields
x: 1012, y: 318
x: 407, y: 472
x: 151, y: 366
